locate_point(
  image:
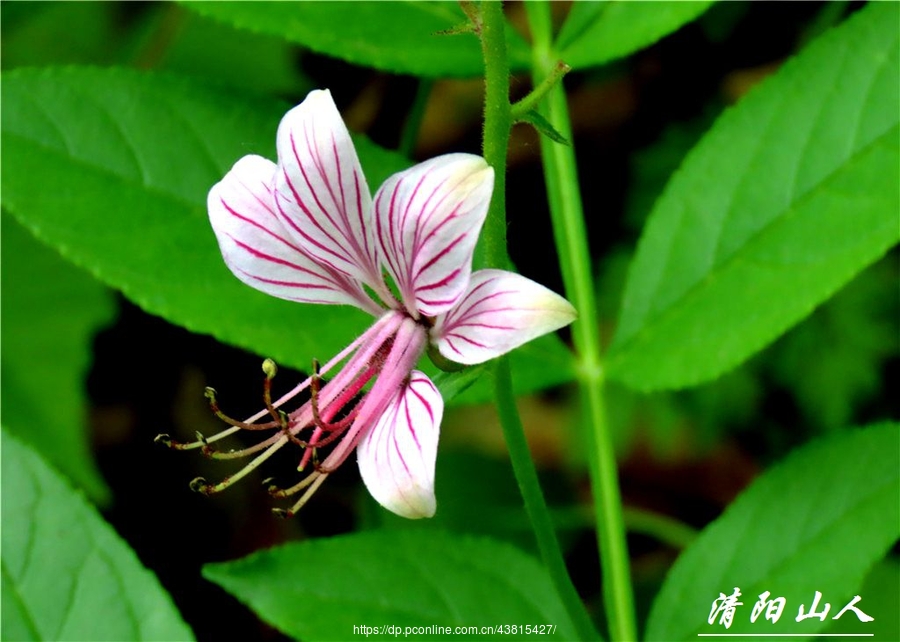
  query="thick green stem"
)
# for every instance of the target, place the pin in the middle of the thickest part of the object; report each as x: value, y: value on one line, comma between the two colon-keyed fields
x: 561, y: 177
x: 497, y: 123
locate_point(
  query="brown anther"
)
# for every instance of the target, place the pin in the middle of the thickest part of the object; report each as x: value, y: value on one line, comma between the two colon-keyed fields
x: 285, y: 421
x: 200, y: 485
x: 271, y: 488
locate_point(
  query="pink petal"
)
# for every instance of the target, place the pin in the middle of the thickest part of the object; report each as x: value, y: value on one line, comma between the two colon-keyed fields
x: 258, y: 249
x: 321, y: 193
x: 499, y: 312
x: 428, y: 219
x: 397, y: 456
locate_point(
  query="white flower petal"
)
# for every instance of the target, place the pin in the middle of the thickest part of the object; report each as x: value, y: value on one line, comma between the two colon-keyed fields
x: 320, y: 190
x: 499, y: 312
x: 428, y: 219
x: 397, y: 456
x: 258, y: 249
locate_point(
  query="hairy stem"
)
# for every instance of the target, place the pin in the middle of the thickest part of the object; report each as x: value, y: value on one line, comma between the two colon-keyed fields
x: 561, y: 177
x: 497, y: 123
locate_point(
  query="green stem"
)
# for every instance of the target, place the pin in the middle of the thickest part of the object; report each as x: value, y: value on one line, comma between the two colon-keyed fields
x: 497, y: 123
x: 531, y: 101
x: 535, y: 504
x: 661, y: 527
x: 571, y: 241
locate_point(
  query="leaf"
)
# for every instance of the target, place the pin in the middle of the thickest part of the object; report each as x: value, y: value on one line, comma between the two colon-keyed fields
x: 251, y: 62
x: 859, y: 326
x: 882, y: 594
x: 399, y: 37
x: 50, y: 310
x: 320, y: 589
x: 66, y: 574
x: 790, y: 194
x: 42, y: 33
x: 543, y: 126
x: 597, y: 32
x: 815, y: 522
x: 131, y: 157
x: 477, y: 494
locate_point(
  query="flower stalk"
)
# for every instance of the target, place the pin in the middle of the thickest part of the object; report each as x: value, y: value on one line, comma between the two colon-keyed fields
x: 571, y: 240
x: 497, y: 124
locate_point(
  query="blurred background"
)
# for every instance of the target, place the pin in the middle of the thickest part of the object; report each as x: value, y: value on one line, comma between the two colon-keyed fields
x: 683, y: 455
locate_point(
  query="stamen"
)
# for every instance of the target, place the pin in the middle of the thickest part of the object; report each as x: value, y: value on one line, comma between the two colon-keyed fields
x: 374, y: 337
x: 201, y: 486
x: 210, y: 393
x: 270, y: 370
x: 374, y: 351
x: 166, y: 440
x: 286, y: 429
x: 314, y: 391
x: 243, y: 452
x: 274, y: 491
x: 309, y: 493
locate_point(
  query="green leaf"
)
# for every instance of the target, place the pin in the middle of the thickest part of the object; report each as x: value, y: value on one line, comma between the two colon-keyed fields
x: 50, y: 311
x: 321, y: 589
x: 597, y: 32
x: 111, y: 167
x: 42, y: 33
x: 543, y: 126
x: 251, y: 62
x: 790, y: 194
x: 399, y: 37
x: 817, y: 521
x: 859, y: 326
x: 881, y: 590
x: 66, y: 574
x: 477, y: 494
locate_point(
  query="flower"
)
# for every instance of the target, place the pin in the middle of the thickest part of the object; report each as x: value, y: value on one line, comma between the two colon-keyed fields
x: 307, y: 229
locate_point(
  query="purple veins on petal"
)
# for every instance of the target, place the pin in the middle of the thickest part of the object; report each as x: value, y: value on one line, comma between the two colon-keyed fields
x: 427, y: 220
x: 499, y: 312
x: 309, y: 230
x: 397, y: 456
x: 321, y: 192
